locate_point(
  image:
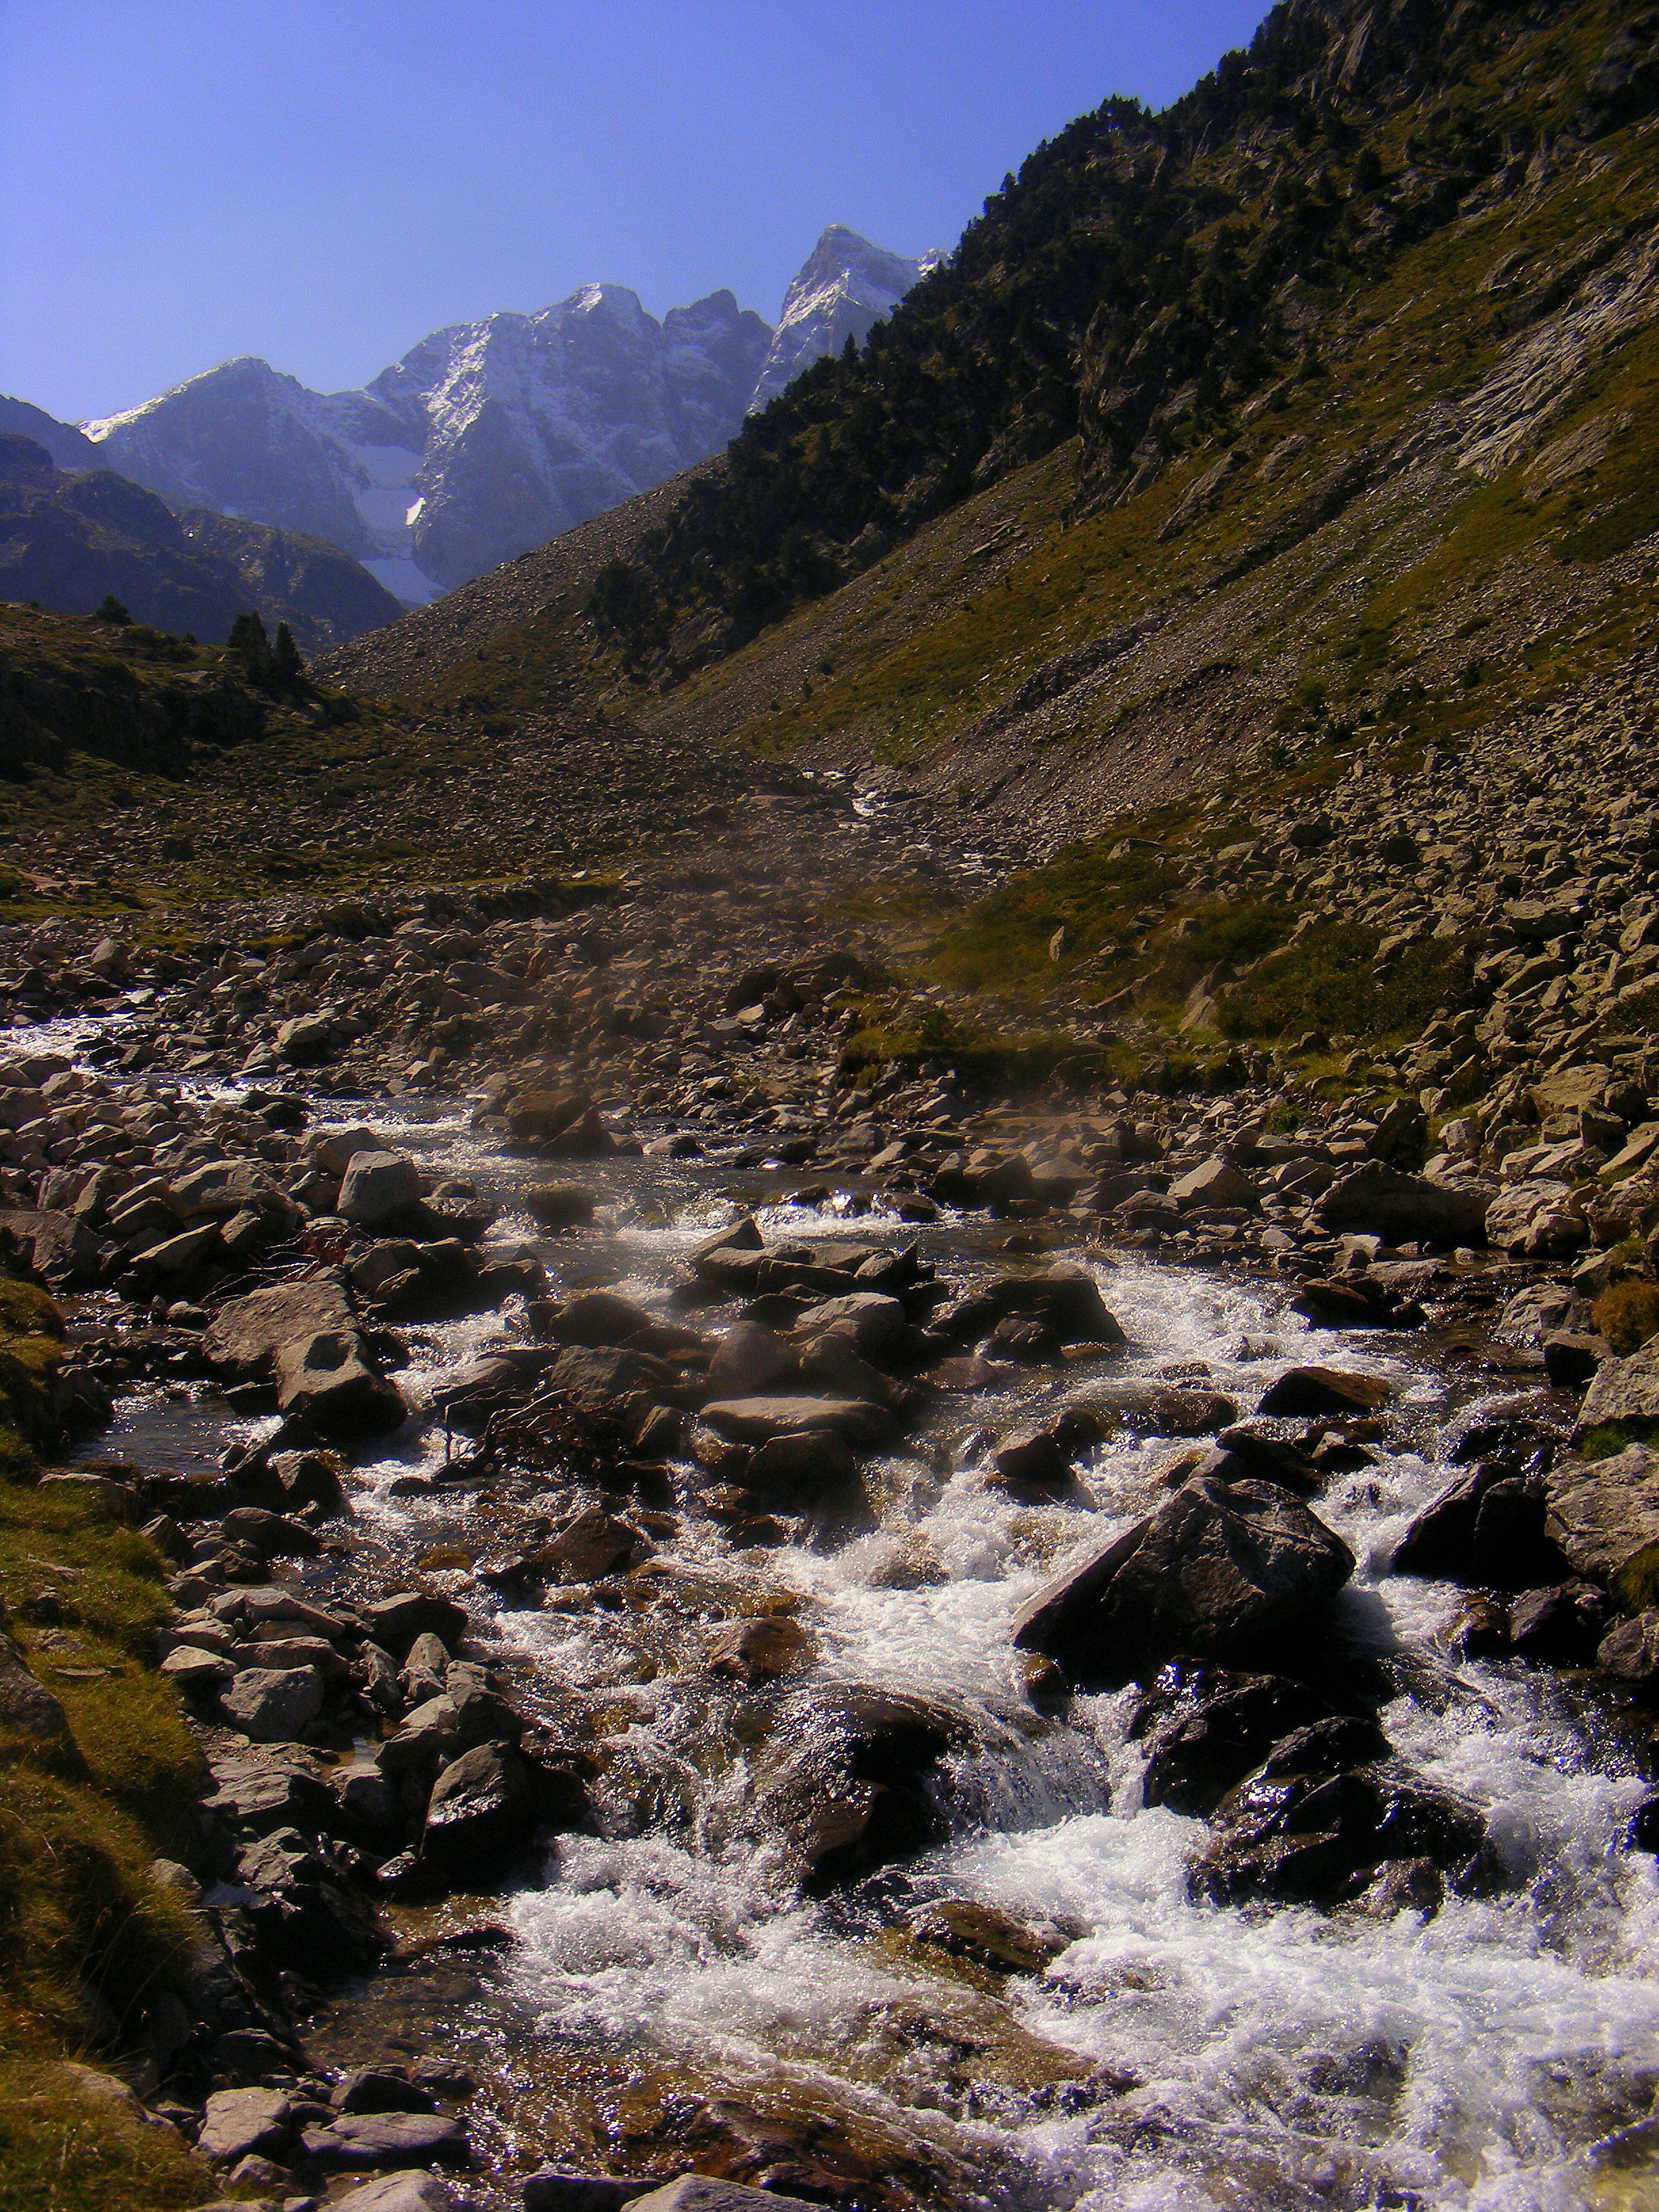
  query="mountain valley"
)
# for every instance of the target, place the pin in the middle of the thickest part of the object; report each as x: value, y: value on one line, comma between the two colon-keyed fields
x: 830, y: 1367
x: 489, y: 438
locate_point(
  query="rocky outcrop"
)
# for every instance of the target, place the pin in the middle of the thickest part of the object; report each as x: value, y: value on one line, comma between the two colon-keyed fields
x: 1604, y: 1516
x: 1382, y: 1201
x: 845, y: 288
x: 1623, y: 1395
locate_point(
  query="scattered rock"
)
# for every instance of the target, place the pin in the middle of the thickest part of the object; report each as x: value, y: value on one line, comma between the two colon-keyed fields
x: 272, y: 1705
x: 238, y: 2122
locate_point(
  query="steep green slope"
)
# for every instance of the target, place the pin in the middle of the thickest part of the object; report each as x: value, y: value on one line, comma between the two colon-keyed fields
x: 1140, y: 283
x: 1427, y: 525
x: 1411, y: 266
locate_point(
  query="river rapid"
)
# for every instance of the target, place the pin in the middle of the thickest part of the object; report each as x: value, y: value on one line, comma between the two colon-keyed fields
x: 1173, y: 2056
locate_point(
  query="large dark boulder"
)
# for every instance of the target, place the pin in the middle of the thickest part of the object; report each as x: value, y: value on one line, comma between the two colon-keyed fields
x: 845, y: 1781
x: 308, y: 1913
x: 1487, y: 1529
x: 479, y: 1812
x: 1230, y: 1571
x: 1315, y: 1824
x: 1306, y: 1393
x: 1384, y: 1201
x: 1206, y: 1728
x: 1065, y: 1299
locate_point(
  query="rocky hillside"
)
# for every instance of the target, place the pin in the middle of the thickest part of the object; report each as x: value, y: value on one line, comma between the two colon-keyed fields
x: 1153, y: 284
x: 71, y: 538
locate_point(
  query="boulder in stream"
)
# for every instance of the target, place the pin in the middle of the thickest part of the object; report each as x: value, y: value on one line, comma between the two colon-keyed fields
x: 305, y: 1337
x: 1232, y: 1571
x: 844, y: 1780
x: 1487, y: 1529
x: 1301, y: 1393
x: 1318, y: 1823
x: 1206, y: 1728
x: 756, y: 1420
x: 479, y: 1813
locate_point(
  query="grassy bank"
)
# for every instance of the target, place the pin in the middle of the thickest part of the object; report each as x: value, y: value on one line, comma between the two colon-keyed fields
x: 89, y: 1941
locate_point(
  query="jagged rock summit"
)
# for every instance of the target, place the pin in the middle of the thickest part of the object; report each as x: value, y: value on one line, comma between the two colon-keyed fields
x: 846, y: 286
x: 491, y: 437
x: 484, y: 439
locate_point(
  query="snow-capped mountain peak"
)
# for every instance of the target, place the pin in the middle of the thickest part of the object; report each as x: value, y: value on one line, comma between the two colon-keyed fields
x: 847, y: 286
x: 490, y: 437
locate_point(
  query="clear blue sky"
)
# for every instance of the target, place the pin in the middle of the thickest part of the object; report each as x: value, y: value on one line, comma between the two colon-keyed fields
x: 324, y: 181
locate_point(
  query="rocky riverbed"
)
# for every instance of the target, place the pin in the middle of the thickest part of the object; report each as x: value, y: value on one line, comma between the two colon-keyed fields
x: 887, y: 1641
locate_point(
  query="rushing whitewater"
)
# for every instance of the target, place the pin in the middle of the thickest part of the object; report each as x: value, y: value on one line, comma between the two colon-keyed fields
x: 1173, y: 2056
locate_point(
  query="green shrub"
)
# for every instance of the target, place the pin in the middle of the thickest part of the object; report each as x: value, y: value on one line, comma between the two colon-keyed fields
x: 1627, y: 1315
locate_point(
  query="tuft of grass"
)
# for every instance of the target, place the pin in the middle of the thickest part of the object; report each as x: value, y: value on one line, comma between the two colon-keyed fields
x: 1636, y: 1586
x: 31, y: 1343
x: 902, y: 1035
x: 1608, y: 1440
x: 89, y: 1941
x: 1627, y: 1315
x: 63, y: 2150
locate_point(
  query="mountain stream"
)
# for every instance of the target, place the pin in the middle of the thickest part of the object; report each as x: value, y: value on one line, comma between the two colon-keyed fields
x: 1500, y: 2055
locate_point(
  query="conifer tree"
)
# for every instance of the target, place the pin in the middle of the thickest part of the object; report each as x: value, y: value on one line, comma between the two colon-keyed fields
x: 248, y: 640
x: 287, y: 669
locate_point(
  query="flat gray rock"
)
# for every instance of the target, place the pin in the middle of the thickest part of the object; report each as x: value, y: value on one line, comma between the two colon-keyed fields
x: 1625, y: 1391
x: 272, y: 1704
x: 1604, y: 1514
x: 389, y: 2139
x: 757, y: 1420
x: 377, y: 1185
x: 702, y: 2192
x: 398, y: 2192
x: 240, y: 2123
